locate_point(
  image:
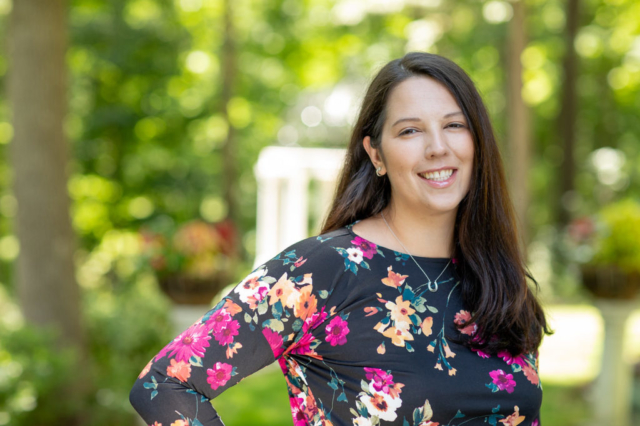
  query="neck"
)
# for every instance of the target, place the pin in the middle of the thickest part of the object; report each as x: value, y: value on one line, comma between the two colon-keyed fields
x: 423, y: 234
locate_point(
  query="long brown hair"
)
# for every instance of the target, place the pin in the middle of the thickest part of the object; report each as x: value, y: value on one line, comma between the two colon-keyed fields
x: 490, y: 263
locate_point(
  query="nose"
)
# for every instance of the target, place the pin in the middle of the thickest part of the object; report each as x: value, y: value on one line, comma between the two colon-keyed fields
x: 435, y: 144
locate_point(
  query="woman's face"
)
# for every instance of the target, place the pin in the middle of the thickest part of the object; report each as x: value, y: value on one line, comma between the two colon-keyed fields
x: 425, y: 130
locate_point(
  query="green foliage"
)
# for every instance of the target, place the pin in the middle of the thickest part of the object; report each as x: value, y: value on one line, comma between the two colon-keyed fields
x: 32, y: 374
x: 617, y: 241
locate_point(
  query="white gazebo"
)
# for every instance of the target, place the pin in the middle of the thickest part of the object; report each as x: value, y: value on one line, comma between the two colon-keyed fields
x: 295, y: 189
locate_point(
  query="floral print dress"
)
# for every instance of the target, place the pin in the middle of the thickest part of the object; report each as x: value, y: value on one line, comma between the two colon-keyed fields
x: 360, y: 339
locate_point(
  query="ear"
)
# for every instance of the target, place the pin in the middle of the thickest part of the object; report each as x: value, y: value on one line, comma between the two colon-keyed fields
x: 374, y: 155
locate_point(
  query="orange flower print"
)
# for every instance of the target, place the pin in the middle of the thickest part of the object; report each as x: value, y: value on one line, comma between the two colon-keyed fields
x: 231, y: 307
x: 448, y: 353
x: 306, y: 304
x: 399, y: 333
x: 156, y: 424
x: 146, y: 369
x: 400, y: 310
x: 426, y: 326
x: 282, y: 291
x: 463, y: 317
x: 513, y: 419
x: 180, y: 370
x: 394, y: 279
x: 530, y: 374
x: 180, y: 423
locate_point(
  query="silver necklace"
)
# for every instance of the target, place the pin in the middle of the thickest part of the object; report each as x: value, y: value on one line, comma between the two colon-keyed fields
x: 429, y: 283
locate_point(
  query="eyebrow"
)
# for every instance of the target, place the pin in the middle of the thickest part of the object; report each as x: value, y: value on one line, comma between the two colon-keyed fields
x: 417, y: 119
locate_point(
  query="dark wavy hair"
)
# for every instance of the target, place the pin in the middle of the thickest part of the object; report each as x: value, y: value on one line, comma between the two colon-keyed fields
x: 491, y: 265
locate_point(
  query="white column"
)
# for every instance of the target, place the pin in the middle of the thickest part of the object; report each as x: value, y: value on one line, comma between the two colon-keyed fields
x: 613, y: 386
x: 295, y: 214
x: 267, y: 223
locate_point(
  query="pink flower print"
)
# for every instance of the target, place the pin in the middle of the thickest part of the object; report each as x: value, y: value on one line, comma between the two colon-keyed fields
x: 463, y: 317
x: 252, y: 290
x: 367, y: 247
x: 481, y: 354
x: 302, y: 346
x: 314, y: 320
x: 275, y: 341
x: 299, y: 262
x: 191, y: 342
x: 225, y: 336
x: 510, y: 359
x: 381, y: 379
x: 503, y: 381
x: 535, y: 423
x: 297, y: 413
x: 337, y: 331
x: 218, y: 320
x: 219, y: 375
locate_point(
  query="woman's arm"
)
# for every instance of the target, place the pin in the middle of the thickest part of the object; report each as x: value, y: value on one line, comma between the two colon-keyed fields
x: 248, y: 329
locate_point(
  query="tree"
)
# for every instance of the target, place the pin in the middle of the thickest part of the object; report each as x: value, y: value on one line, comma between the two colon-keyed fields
x: 46, y: 285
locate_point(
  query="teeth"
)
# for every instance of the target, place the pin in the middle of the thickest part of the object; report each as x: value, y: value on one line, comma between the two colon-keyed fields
x: 439, y: 176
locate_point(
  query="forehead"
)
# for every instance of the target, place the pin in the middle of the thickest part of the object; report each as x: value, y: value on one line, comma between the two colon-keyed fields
x: 420, y: 96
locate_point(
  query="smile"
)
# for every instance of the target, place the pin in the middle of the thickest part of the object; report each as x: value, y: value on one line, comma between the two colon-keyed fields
x: 440, y: 179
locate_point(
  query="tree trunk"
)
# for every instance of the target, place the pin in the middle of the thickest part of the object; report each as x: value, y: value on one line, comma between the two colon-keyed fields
x: 229, y: 70
x: 46, y: 286
x: 568, y: 113
x: 518, y: 123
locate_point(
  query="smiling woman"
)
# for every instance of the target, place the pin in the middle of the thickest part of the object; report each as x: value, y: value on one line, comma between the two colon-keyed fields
x: 410, y: 308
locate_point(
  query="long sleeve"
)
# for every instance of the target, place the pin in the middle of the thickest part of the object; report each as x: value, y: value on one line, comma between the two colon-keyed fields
x: 255, y: 324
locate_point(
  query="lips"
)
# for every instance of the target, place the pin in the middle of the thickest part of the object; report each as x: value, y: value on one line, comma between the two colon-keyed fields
x: 441, y: 184
x: 437, y: 170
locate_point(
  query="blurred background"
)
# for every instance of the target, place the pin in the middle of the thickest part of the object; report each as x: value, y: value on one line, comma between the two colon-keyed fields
x: 136, y: 184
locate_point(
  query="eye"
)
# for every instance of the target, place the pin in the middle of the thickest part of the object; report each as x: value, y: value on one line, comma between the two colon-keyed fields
x: 404, y: 132
x: 458, y: 125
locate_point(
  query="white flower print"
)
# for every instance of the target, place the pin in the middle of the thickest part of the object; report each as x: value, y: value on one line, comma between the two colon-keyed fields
x: 355, y: 254
x: 382, y: 405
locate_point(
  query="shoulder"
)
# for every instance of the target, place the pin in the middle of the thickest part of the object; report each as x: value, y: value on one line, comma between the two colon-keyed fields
x: 318, y: 246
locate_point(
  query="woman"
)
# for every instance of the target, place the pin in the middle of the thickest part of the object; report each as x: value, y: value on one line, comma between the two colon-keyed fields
x: 410, y: 308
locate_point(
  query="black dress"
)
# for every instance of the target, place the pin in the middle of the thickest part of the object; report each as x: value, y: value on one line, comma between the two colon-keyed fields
x: 360, y: 338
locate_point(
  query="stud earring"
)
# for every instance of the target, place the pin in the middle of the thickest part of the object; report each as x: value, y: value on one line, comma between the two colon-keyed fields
x: 378, y: 171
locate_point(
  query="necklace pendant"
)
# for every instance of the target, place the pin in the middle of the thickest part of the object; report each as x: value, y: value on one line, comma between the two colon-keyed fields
x: 434, y: 288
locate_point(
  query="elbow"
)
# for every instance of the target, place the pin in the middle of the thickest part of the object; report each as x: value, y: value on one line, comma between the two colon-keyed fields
x: 138, y: 397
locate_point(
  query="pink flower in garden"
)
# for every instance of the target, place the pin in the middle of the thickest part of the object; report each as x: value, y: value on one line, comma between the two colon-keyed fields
x: 219, y: 375
x: 337, y: 331
x: 275, y: 341
x: 218, y: 320
x: 510, y: 359
x: 367, y: 247
x: 191, y: 342
x: 382, y: 381
x: 503, y: 381
x: 314, y: 320
x: 225, y: 336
